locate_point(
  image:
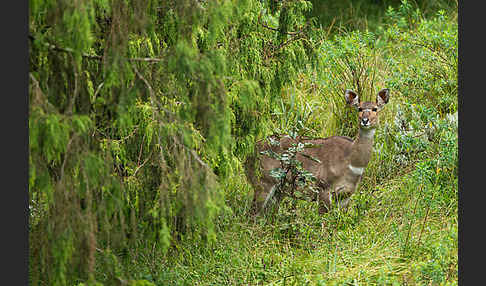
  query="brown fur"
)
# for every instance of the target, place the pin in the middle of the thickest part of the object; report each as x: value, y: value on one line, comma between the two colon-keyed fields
x: 335, y: 179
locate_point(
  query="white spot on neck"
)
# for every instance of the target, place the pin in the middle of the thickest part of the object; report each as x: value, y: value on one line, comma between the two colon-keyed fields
x: 367, y: 133
x: 356, y: 170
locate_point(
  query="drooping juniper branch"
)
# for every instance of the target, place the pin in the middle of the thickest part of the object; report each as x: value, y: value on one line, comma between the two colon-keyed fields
x: 94, y: 57
x: 277, y: 30
x: 72, y: 99
x: 156, y: 103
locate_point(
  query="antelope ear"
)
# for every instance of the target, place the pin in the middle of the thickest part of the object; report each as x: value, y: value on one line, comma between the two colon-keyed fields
x: 352, y: 98
x: 382, y: 97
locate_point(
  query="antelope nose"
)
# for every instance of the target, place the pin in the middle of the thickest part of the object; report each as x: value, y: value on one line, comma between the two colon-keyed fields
x: 365, y: 121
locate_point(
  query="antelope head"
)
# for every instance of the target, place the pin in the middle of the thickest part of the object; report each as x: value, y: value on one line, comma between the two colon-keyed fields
x: 367, y: 111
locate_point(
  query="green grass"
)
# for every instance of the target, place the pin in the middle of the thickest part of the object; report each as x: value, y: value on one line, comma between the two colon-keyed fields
x: 392, y: 241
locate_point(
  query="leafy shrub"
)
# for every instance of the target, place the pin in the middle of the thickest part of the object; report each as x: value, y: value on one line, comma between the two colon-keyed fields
x: 427, y: 75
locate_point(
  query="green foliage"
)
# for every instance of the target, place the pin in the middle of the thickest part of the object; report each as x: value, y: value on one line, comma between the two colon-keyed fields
x: 291, y: 176
x: 337, y: 17
x: 350, y: 61
x: 294, y: 181
x: 141, y: 115
x: 431, y: 72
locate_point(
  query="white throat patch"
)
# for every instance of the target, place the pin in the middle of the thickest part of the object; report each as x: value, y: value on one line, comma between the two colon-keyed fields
x: 356, y: 170
x: 367, y: 133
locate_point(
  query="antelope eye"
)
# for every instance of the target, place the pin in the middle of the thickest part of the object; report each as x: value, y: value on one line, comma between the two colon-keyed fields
x: 374, y: 109
x: 360, y: 109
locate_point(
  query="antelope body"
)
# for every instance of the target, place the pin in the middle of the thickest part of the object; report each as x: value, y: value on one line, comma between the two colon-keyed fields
x: 342, y: 159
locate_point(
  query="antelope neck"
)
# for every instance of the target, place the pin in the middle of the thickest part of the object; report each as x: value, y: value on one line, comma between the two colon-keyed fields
x: 367, y: 134
x: 362, y: 148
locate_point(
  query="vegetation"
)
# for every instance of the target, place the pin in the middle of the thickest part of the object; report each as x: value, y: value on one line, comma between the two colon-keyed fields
x: 142, y: 113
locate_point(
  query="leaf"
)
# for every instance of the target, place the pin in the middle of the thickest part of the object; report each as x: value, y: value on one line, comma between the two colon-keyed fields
x: 278, y: 173
x: 274, y: 142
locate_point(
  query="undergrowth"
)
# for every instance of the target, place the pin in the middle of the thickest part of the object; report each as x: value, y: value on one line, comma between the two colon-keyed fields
x: 140, y: 180
x: 402, y: 226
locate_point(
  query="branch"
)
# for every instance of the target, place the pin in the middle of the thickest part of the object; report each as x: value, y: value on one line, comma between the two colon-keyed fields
x: 155, y: 102
x: 95, y: 57
x: 39, y: 95
x: 72, y: 99
x: 270, y: 54
x: 278, y: 30
x: 66, y: 156
x: 38, y: 90
x: 143, y: 163
x: 297, y: 37
x: 441, y: 57
x: 148, y: 60
x: 151, y: 92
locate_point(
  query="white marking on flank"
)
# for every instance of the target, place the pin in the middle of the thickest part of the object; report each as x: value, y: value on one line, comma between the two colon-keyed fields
x: 356, y: 170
